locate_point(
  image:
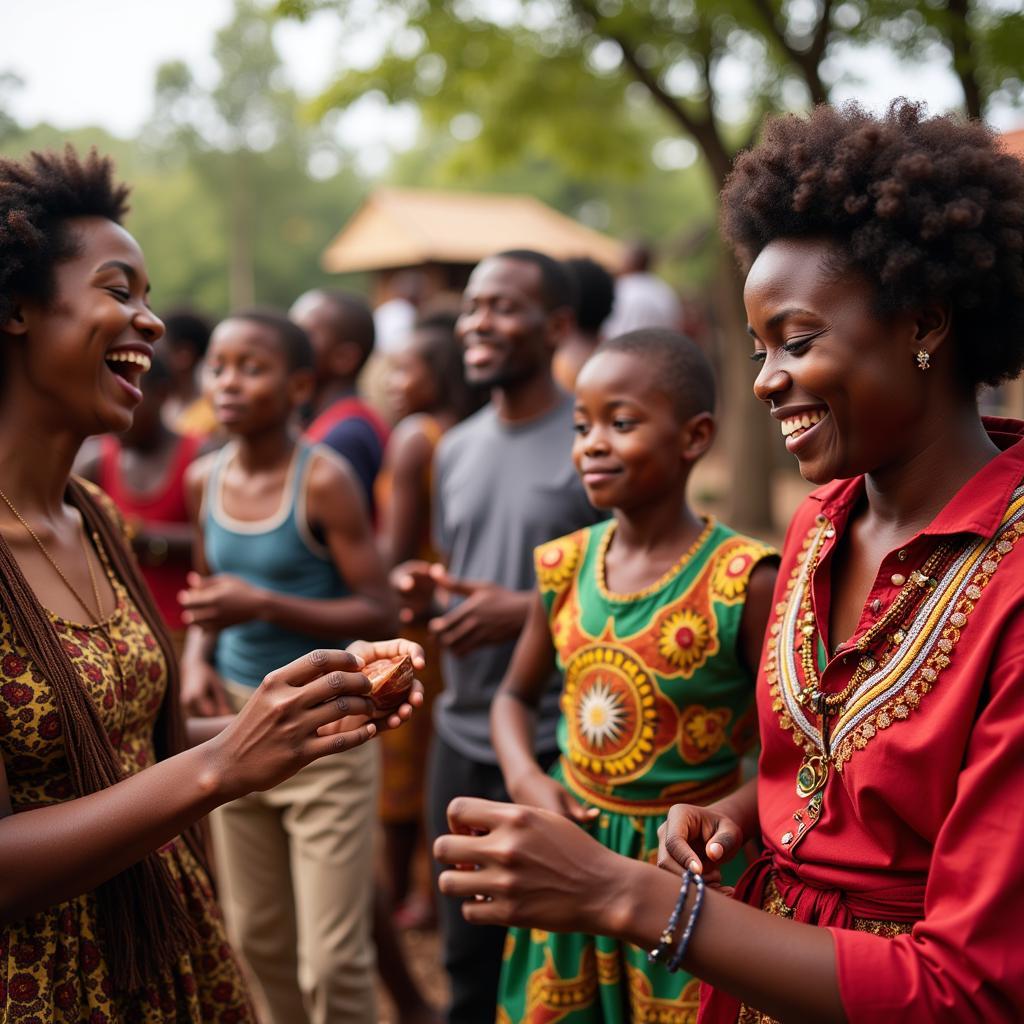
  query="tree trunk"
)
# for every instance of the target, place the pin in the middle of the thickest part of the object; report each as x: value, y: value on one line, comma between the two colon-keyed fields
x: 745, y: 429
x: 241, y: 275
x: 965, y: 62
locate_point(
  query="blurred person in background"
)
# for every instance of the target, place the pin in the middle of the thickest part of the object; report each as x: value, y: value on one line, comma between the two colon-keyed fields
x: 428, y: 395
x: 143, y: 471
x: 284, y: 554
x: 183, y: 346
x: 340, y: 328
x: 642, y: 299
x: 595, y: 293
x: 503, y: 483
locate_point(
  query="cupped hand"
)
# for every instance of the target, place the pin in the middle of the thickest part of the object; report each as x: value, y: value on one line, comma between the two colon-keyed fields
x: 519, y: 865
x: 374, y: 650
x: 216, y: 602
x: 698, y: 839
x: 538, y: 789
x: 278, y: 731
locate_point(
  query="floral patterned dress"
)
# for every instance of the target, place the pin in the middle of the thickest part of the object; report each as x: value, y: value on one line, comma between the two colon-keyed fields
x: 51, y: 963
x: 656, y: 709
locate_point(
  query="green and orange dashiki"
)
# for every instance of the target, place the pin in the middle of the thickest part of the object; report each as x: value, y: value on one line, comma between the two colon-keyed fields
x: 657, y: 709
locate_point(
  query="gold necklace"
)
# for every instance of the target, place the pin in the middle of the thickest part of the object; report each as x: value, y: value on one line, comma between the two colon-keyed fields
x: 96, y: 616
x: 813, y: 772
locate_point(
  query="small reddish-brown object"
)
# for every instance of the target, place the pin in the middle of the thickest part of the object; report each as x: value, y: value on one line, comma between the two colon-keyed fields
x: 390, y: 679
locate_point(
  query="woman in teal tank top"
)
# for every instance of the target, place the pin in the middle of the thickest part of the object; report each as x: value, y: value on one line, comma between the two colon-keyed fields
x: 280, y: 554
x: 286, y: 559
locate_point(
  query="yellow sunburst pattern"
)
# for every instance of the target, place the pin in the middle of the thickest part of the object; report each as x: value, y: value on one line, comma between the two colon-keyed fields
x: 556, y: 562
x: 685, y: 640
x: 731, y: 574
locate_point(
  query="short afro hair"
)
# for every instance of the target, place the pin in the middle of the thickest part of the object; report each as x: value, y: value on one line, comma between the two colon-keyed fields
x: 184, y: 328
x: 595, y: 292
x: 291, y: 339
x: 557, y: 287
x: 927, y: 208
x: 681, y: 370
x: 354, y: 319
x: 38, y: 196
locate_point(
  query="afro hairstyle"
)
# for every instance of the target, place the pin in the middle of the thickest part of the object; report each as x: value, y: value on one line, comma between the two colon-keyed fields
x: 926, y: 208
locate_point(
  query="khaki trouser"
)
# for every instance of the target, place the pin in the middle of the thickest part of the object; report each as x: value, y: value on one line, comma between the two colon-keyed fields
x: 295, y: 868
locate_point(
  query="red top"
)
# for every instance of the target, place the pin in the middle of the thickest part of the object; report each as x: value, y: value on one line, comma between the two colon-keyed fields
x: 166, y: 504
x: 921, y: 814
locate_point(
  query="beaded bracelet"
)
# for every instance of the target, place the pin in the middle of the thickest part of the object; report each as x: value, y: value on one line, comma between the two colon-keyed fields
x: 657, y: 954
x: 677, y: 961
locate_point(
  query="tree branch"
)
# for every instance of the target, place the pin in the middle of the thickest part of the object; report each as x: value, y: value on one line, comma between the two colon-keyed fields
x: 703, y: 130
x: 965, y: 63
x: 807, y: 61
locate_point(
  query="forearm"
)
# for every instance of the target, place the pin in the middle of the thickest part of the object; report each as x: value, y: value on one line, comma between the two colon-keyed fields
x: 512, y: 729
x: 779, y: 966
x: 53, y: 853
x: 363, y: 616
x: 199, y: 730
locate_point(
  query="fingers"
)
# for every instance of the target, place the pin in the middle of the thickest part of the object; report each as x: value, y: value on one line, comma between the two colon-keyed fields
x: 468, y: 815
x: 579, y: 812
x: 341, y: 706
x: 453, y: 584
x: 674, y: 850
x: 724, y: 842
x: 321, y: 746
x: 388, y: 649
x: 314, y: 665
x: 406, y: 577
x: 352, y: 685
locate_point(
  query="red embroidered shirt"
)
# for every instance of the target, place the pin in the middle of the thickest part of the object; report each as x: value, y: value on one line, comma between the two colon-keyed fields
x: 921, y: 817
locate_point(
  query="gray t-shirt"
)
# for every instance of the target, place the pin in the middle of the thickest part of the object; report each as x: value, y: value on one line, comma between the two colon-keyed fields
x: 500, y: 490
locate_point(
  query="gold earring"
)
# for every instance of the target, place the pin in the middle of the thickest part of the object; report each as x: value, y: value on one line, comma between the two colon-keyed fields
x: 924, y: 359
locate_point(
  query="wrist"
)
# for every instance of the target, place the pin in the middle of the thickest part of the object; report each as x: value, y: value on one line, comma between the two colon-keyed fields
x: 263, y: 605
x: 214, y: 775
x: 615, y: 911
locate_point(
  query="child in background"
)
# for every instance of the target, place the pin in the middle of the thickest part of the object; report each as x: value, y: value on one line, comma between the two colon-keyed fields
x: 188, y: 410
x: 656, y: 619
x: 427, y: 393
x: 285, y: 555
x: 143, y: 471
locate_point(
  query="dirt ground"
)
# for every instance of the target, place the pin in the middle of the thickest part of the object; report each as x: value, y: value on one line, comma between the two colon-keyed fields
x: 423, y: 955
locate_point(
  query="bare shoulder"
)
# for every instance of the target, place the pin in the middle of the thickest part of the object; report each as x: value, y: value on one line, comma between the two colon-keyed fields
x: 198, y: 473
x: 411, y: 445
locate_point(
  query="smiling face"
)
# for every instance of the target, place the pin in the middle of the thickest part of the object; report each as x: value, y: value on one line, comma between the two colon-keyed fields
x: 630, y: 446
x: 247, y: 379
x: 84, y: 353
x: 840, y: 380
x: 505, y: 329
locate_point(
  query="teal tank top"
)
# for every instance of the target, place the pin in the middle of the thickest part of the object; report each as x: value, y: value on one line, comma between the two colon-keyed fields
x: 280, y: 554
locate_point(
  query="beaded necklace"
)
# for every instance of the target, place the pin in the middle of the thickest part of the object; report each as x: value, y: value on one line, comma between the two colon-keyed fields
x: 813, y: 772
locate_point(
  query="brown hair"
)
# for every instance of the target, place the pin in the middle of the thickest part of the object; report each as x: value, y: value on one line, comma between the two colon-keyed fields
x: 144, y: 925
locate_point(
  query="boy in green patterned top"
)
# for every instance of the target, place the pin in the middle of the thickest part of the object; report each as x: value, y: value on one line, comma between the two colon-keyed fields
x: 656, y: 619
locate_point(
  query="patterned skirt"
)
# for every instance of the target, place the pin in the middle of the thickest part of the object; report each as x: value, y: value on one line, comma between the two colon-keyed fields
x: 552, y: 977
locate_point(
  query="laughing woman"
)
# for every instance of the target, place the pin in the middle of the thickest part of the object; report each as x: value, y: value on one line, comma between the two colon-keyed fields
x: 885, y: 285
x: 106, y: 910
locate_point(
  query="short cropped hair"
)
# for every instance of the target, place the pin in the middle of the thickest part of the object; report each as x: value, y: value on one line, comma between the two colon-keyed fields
x: 595, y: 292
x: 356, y: 315
x: 184, y: 328
x: 38, y: 196
x: 927, y: 208
x: 557, y: 288
x: 292, y: 340
x: 681, y: 369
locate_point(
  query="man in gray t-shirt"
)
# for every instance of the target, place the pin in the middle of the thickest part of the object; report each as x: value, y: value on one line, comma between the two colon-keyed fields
x: 504, y: 483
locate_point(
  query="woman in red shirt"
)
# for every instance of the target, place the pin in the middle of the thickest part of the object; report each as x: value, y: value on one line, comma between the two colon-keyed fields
x: 885, y: 286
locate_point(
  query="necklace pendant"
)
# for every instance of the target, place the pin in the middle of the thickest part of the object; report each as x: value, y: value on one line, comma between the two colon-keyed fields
x: 811, y: 776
